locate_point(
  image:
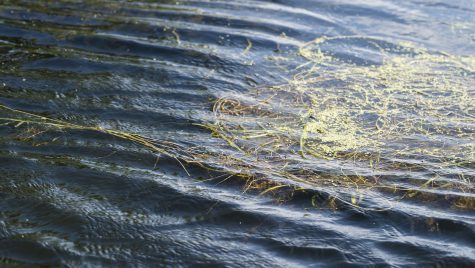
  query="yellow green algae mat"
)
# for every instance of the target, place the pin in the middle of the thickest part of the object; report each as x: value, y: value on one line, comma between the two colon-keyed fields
x: 237, y: 133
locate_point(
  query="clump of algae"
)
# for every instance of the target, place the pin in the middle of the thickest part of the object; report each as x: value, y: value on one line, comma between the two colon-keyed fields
x: 410, y: 92
x: 410, y: 113
x: 362, y: 132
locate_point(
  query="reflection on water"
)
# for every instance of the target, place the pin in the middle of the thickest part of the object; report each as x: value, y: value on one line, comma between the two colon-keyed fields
x: 167, y: 122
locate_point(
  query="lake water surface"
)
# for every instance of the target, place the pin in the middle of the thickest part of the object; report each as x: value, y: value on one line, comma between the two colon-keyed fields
x: 254, y: 145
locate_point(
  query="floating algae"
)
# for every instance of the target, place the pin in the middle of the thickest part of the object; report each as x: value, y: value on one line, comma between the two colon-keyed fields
x: 399, y: 126
x: 411, y: 95
x: 408, y: 110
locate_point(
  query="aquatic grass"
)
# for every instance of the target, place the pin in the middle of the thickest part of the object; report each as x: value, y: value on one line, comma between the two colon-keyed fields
x: 169, y: 149
x: 339, y: 128
x: 412, y: 108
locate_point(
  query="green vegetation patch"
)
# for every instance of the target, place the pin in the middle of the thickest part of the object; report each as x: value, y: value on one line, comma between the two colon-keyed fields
x: 364, y: 121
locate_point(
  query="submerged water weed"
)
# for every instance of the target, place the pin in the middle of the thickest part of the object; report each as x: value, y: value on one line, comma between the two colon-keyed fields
x: 362, y: 123
x: 406, y: 112
x: 43, y: 124
x: 409, y: 96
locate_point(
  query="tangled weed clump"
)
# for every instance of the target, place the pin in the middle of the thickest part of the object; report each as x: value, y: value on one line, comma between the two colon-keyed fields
x: 363, y: 121
x: 407, y: 111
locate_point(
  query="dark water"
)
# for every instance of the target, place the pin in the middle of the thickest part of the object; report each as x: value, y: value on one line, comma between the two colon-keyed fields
x: 84, y: 198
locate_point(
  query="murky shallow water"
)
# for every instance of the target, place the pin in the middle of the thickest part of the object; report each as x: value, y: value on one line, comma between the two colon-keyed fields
x: 81, y: 197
